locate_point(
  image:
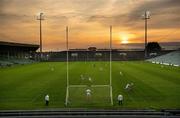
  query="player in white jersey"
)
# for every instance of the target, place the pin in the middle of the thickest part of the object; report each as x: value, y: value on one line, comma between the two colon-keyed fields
x: 47, y: 100
x: 88, y: 94
x: 120, y: 99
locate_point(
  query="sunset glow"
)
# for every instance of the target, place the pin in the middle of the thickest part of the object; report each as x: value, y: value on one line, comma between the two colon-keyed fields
x: 88, y: 21
x: 124, y: 41
x: 125, y: 37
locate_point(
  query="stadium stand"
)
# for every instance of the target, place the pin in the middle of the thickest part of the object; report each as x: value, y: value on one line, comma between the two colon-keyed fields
x: 5, y: 63
x: 98, y: 55
x: 16, y: 53
x: 69, y: 113
x: 172, y: 58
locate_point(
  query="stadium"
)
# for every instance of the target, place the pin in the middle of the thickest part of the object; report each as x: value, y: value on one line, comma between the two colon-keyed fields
x: 89, y: 78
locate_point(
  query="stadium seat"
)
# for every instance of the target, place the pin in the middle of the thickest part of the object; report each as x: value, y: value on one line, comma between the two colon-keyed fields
x: 172, y: 58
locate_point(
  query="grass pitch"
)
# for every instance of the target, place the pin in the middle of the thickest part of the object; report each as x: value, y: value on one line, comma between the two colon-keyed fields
x: 155, y: 86
x: 100, y: 97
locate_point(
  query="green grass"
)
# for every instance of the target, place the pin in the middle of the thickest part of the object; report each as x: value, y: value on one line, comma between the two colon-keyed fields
x: 100, y: 97
x: 24, y: 87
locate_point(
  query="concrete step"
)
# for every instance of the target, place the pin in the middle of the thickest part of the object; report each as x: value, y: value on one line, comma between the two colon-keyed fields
x: 84, y: 113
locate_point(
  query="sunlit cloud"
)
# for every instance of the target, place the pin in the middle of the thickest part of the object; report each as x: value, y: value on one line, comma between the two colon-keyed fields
x: 88, y: 21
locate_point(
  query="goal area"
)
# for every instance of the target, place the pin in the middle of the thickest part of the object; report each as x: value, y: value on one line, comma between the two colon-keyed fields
x: 100, y: 95
x: 95, y: 77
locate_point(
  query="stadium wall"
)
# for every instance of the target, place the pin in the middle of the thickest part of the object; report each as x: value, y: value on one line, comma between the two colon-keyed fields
x: 99, y: 55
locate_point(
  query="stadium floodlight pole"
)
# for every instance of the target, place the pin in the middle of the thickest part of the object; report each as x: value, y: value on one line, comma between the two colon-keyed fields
x: 40, y: 18
x: 146, y: 17
x: 110, y: 65
x: 67, y: 65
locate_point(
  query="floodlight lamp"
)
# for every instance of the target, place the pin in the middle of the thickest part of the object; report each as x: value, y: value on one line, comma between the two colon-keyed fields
x: 40, y: 16
x: 147, y: 14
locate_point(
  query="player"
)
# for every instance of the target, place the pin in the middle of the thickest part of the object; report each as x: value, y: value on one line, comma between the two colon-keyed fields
x: 90, y: 79
x: 127, y: 86
x: 120, y: 73
x: 132, y: 84
x: 120, y: 99
x: 100, y: 69
x: 52, y: 69
x: 47, y: 99
x: 82, y: 77
x: 88, y: 94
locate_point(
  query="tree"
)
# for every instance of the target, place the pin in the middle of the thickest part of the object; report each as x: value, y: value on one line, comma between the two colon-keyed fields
x: 153, y: 47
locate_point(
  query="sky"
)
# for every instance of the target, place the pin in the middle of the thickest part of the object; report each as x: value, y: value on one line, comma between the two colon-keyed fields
x: 88, y: 22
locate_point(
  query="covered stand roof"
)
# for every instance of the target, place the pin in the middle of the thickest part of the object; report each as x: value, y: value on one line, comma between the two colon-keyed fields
x: 25, y: 47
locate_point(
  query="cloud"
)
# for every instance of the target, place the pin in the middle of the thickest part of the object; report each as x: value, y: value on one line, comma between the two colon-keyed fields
x: 86, y: 18
x: 164, y: 14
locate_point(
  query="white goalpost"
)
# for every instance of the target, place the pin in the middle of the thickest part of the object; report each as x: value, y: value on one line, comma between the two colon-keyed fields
x: 67, y: 66
x: 97, y: 88
x: 110, y: 66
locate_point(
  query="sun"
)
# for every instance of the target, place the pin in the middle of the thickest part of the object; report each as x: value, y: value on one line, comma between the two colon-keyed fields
x: 124, y: 39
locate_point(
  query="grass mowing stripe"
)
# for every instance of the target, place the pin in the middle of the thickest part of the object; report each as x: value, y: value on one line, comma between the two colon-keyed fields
x: 132, y: 77
x: 152, y: 89
x: 150, y: 77
x: 165, y: 87
x: 171, y: 76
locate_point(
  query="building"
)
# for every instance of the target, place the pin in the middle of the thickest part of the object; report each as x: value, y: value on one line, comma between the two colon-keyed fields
x: 17, y: 50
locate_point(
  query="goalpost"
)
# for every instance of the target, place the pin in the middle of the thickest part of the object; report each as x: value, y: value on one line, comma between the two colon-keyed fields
x: 110, y: 66
x: 67, y: 66
x: 96, y: 88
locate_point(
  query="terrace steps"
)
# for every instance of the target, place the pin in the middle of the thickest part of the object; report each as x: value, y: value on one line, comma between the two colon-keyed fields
x: 69, y: 113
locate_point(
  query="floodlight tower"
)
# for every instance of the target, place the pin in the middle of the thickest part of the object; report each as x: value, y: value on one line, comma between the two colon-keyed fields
x: 146, y: 16
x: 40, y: 18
